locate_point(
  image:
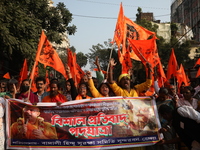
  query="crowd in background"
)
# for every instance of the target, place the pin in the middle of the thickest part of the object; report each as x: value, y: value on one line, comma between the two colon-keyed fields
x: 178, y: 108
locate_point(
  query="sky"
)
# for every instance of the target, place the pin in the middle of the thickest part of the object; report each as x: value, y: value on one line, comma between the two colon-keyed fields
x: 96, y: 19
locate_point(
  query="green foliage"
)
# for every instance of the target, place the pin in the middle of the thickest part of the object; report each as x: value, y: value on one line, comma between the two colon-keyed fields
x: 81, y: 59
x: 164, y: 49
x: 21, y: 23
x: 103, y: 52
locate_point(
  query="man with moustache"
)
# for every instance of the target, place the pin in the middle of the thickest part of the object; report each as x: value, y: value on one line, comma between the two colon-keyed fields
x: 124, y: 88
x: 41, y: 86
x: 54, y: 95
x: 31, y: 126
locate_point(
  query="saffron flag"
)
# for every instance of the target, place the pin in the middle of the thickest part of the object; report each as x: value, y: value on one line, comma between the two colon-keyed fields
x: 172, y: 65
x: 197, y: 63
x: 181, y: 76
x: 47, y: 81
x: 119, y: 29
x: 126, y: 63
x: 79, y: 73
x: 146, y: 50
x: 24, y: 72
x: 134, y: 32
x: 6, y: 76
x: 48, y: 56
x: 70, y: 63
x: 161, y: 74
x: 198, y: 73
x: 33, y: 84
x: 76, y: 71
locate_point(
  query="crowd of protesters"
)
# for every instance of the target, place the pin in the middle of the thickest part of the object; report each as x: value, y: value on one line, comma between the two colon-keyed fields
x: 178, y: 109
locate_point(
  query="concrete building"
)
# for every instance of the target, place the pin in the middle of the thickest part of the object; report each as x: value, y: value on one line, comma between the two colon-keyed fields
x: 187, y: 12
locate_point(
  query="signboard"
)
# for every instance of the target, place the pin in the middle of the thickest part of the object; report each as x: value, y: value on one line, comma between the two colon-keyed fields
x: 106, y: 123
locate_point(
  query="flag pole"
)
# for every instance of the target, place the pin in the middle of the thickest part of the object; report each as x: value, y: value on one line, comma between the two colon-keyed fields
x: 110, y: 56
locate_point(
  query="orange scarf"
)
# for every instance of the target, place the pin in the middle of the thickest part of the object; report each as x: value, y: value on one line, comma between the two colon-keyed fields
x: 79, y: 97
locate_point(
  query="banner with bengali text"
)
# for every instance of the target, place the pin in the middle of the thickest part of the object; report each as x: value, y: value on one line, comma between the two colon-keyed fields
x: 99, y: 123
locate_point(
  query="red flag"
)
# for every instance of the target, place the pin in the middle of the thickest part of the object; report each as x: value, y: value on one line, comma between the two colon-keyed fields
x: 198, y: 73
x: 6, y: 76
x: 181, y: 76
x: 197, y: 63
x: 119, y: 29
x: 48, y: 56
x: 172, y: 65
x: 24, y: 72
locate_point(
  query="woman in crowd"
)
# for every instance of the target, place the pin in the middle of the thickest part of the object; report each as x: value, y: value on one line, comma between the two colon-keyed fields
x: 82, y: 91
x: 71, y: 91
x: 103, y: 91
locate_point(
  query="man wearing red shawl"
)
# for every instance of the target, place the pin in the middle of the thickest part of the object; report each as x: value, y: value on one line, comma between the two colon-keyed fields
x: 54, y: 96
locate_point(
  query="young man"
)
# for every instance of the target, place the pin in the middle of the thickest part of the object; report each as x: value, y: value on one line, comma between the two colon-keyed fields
x: 41, y: 86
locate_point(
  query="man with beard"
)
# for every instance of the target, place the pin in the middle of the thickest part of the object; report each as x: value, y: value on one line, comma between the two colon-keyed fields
x: 31, y: 126
x: 124, y: 88
x: 41, y: 85
x: 25, y: 94
x: 54, y: 96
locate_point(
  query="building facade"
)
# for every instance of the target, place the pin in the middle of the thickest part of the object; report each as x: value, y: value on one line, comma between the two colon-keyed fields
x: 187, y: 12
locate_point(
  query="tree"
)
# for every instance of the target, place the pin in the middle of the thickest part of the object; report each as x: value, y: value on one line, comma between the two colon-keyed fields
x: 164, y: 48
x: 81, y: 59
x: 21, y: 23
x: 103, y: 53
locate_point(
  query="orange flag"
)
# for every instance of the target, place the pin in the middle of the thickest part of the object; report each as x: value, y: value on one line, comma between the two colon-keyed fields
x: 48, y: 56
x: 146, y: 50
x: 161, y: 74
x: 70, y: 63
x: 134, y: 32
x: 47, y: 81
x: 197, y: 63
x: 24, y: 72
x: 79, y: 73
x: 172, y: 65
x: 198, y: 73
x: 6, y: 76
x: 126, y: 63
x: 75, y: 69
x: 119, y: 29
x: 181, y: 76
x: 33, y: 84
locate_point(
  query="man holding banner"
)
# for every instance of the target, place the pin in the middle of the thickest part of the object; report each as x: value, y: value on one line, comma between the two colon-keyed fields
x: 31, y: 126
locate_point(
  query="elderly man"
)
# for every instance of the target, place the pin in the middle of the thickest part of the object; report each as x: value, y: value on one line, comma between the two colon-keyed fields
x: 31, y: 126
